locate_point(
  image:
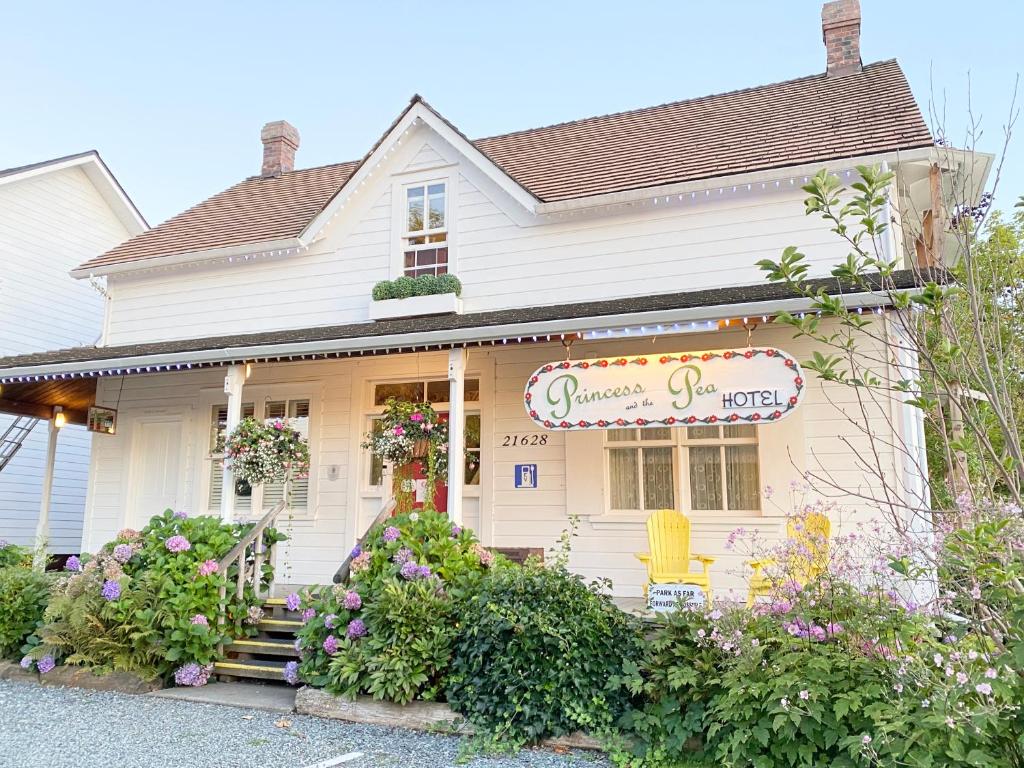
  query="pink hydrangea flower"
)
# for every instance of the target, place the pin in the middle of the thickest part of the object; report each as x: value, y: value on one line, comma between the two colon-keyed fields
x: 178, y: 544
x: 200, y: 619
x: 331, y: 645
x: 208, y: 567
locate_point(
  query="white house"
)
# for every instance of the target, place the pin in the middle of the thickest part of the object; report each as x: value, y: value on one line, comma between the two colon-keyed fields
x: 53, y: 215
x: 632, y: 235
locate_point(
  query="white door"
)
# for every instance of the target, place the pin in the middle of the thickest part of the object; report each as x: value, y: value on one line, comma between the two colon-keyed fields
x: 156, y: 469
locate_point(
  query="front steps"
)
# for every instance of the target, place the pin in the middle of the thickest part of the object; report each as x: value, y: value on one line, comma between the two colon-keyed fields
x: 264, y: 656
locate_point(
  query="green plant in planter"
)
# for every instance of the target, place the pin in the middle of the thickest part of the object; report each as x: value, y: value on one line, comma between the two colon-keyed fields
x: 447, y: 283
x: 24, y: 594
x: 426, y: 285
x: 383, y: 291
x: 536, y: 650
x: 389, y: 632
x: 403, y: 287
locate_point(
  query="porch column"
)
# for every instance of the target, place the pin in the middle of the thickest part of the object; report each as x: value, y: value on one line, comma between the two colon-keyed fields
x: 456, y: 432
x: 39, y: 557
x: 233, y: 383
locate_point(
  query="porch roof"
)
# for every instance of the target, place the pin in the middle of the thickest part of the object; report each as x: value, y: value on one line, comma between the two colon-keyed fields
x: 666, y: 313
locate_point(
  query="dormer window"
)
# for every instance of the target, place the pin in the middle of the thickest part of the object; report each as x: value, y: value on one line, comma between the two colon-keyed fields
x: 426, y: 230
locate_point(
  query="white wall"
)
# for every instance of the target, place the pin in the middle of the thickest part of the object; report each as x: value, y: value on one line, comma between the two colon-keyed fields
x: 570, y: 478
x: 504, y: 257
x: 49, y: 223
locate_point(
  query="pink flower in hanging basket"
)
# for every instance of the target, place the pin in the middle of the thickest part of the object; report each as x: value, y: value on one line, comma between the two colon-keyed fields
x: 399, y: 430
x: 416, y: 416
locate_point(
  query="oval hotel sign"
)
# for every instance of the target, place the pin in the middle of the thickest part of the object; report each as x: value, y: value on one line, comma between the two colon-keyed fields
x: 722, y: 386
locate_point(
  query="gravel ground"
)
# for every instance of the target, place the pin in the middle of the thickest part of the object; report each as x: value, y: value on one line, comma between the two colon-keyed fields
x: 75, y: 728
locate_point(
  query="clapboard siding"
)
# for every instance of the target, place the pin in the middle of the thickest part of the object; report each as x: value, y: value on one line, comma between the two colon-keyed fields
x: 505, y: 257
x: 49, y: 223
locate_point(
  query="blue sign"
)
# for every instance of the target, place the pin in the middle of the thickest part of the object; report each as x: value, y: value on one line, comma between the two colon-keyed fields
x: 526, y: 475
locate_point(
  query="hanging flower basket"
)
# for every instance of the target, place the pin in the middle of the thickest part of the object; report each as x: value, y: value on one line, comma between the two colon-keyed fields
x: 266, y: 452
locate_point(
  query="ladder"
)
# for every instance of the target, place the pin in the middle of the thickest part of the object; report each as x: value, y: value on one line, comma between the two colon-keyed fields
x: 14, y: 437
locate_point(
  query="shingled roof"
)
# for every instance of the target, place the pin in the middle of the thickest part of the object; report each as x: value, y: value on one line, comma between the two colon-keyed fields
x: 812, y: 119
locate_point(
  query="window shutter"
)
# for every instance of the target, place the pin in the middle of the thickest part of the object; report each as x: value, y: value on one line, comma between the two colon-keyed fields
x: 584, y: 473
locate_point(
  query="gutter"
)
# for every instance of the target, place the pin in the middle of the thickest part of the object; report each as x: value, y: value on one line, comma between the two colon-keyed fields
x: 643, y: 324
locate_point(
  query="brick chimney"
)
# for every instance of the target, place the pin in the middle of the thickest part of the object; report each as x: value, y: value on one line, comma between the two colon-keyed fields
x: 280, y: 140
x: 840, y: 29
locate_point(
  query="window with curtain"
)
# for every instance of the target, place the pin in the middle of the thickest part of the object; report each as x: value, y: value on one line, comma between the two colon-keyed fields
x: 708, y: 468
x: 248, y: 498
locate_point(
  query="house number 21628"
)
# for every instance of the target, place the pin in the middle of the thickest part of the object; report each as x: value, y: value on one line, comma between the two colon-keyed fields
x: 511, y: 441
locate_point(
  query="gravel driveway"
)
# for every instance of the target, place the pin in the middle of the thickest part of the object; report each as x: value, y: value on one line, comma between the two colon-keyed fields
x: 74, y: 728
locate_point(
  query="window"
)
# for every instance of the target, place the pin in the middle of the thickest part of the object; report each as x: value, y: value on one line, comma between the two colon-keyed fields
x: 711, y: 468
x: 248, y: 498
x: 426, y: 234
x: 435, y: 392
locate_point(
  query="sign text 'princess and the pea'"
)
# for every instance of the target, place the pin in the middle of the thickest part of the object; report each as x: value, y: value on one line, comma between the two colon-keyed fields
x: 722, y: 386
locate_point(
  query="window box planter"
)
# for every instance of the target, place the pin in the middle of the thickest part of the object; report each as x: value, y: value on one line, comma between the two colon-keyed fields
x: 413, y: 306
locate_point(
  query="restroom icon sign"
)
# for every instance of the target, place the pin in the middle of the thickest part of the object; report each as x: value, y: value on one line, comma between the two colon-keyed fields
x: 526, y: 476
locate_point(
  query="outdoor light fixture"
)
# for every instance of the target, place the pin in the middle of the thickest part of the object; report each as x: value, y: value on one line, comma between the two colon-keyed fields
x: 59, y: 417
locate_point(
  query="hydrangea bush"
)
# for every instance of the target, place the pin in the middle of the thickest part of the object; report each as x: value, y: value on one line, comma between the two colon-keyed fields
x: 148, y: 601
x: 389, y: 632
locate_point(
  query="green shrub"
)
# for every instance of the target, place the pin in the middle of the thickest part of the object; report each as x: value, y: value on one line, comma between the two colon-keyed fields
x: 449, y: 284
x: 12, y: 555
x: 403, y: 287
x: 408, y: 581
x: 536, y: 650
x: 24, y: 594
x: 383, y: 290
x: 426, y: 285
x: 148, y: 602
x: 407, y: 649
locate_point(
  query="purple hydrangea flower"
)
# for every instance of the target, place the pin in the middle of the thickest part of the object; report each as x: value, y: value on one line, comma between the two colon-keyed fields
x: 45, y: 664
x: 352, y: 602
x: 331, y: 645
x: 330, y: 620
x: 177, y: 544
x: 293, y: 601
x: 180, y: 515
x: 423, y: 572
x: 208, y: 567
x: 356, y: 552
x: 192, y: 674
x: 391, y: 533
x: 356, y: 628
x: 122, y: 553
x: 201, y: 619
x: 73, y: 564
x: 291, y: 673
x: 456, y: 531
x: 308, y: 614
x: 410, y: 570
x: 402, y: 556
x: 111, y: 589
x: 26, y: 662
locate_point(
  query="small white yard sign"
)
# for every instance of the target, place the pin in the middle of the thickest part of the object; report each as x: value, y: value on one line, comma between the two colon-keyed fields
x: 665, y: 598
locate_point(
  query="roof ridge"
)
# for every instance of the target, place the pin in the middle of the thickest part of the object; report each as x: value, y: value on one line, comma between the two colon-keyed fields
x: 693, y: 100
x: 43, y: 163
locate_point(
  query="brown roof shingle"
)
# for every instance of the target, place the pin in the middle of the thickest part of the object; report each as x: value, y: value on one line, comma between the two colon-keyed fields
x: 811, y: 119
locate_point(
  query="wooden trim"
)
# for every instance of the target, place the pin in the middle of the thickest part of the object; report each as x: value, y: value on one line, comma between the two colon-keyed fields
x: 40, y: 411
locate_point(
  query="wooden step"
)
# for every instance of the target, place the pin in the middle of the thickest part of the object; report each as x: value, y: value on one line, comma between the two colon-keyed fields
x: 274, y: 601
x: 264, y: 646
x: 260, y: 670
x: 279, y: 625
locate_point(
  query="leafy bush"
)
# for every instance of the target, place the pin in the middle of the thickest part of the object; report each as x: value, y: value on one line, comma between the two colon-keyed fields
x: 536, y: 650
x: 425, y: 285
x: 383, y: 290
x: 24, y: 594
x: 389, y: 632
x: 148, y: 602
x: 403, y: 287
x: 11, y: 555
x: 447, y: 283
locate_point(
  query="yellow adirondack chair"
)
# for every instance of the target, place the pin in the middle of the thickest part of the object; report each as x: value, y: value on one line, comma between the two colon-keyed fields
x: 668, y: 562
x: 813, y: 532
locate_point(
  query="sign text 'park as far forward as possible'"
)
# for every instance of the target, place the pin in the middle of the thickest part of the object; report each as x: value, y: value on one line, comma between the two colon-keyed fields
x: 722, y: 386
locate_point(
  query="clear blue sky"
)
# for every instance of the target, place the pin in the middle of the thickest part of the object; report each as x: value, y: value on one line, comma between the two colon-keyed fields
x: 173, y: 95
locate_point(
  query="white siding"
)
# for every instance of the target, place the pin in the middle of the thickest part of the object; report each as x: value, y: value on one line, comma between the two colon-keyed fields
x: 504, y: 257
x: 502, y: 515
x: 49, y: 224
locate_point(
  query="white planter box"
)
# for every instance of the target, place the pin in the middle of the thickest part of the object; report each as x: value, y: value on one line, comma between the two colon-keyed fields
x: 438, y: 304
